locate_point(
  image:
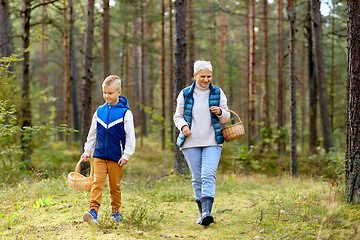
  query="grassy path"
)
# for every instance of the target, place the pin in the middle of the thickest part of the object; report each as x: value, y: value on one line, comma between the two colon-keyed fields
x: 252, y: 207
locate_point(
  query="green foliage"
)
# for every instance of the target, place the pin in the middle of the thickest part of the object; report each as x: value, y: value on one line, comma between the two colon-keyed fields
x: 43, y: 202
x: 141, y: 219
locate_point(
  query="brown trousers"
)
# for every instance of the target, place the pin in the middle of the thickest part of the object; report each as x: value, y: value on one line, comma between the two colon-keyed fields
x: 103, y: 168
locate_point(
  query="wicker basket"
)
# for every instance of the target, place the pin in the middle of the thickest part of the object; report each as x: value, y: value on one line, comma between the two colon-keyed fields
x: 78, y: 181
x: 235, y: 131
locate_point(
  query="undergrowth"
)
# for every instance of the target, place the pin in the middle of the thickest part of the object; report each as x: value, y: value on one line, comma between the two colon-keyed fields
x: 255, y: 198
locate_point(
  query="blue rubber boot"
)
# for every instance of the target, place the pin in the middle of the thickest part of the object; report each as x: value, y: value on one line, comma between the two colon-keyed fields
x: 206, y: 217
x: 200, y: 210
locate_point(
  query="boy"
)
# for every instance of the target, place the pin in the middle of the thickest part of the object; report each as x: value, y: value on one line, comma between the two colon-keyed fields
x: 112, y: 133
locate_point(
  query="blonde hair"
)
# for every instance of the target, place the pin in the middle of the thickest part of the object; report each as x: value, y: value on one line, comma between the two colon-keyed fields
x: 202, y: 65
x: 112, y: 79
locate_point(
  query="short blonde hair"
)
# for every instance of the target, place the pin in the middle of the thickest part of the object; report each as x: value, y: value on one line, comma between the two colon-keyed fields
x: 202, y: 65
x: 112, y: 79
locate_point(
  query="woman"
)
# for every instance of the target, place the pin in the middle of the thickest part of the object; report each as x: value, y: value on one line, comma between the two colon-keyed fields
x: 200, y: 109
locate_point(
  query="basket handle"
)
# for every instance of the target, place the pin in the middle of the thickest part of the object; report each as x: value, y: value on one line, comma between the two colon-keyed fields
x: 234, y: 114
x: 78, y: 165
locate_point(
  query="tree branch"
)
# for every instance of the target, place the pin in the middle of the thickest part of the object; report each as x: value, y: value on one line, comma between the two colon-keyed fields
x: 43, y: 3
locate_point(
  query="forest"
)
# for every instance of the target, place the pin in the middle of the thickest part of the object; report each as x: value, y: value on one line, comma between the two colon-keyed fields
x: 287, y: 67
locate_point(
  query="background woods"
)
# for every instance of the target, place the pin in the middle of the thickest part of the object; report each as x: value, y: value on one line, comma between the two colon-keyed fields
x: 282, y: 65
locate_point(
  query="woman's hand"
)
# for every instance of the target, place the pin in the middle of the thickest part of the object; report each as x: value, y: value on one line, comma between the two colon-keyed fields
x: 216, y: 110
x: 186, y: 130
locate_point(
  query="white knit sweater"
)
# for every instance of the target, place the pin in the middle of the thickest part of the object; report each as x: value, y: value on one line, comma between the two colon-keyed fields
x: 202, y: 130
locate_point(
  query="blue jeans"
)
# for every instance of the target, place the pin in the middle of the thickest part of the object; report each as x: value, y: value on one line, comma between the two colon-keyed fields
x: 203, y: 162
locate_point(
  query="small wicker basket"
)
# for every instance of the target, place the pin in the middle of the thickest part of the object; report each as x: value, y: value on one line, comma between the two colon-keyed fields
x: 235, y: 131
x: 78, y: 181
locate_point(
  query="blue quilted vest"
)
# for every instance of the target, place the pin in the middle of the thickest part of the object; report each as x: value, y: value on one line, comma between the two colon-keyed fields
x: 214, y: 100
x: 110, y: 133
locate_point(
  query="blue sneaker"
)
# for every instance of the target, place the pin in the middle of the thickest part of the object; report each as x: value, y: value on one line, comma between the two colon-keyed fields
x: 116, y: 216
x: 91, y: 217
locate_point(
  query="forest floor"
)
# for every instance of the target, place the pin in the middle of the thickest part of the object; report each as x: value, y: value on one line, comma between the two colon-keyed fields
x: 157, y: 204
x: 250, y: 207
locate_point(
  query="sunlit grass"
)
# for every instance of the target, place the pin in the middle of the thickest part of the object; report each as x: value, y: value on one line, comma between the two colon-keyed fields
x: 245, y: 207
x: 156, y: 204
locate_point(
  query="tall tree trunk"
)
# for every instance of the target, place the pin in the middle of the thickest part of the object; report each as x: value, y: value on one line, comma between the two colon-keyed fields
x: 332, y: 67
x: 222, y: 44
x: 213, y: 36
x: 279, y: 80
x: 328, y: 142
x: 144, y: 74
x: 352, y: 155
x: 171, y: 68
x: 136, y: 76
x: 291, y: 16
x: 312, y: 87
x: 6, y: 46
x: 129, y: 83
x: 163, y: 73
x: 252, y: 79
x: 25, y: 108
x: 67, y: 73
x: 247, y: 74
x: 87, y: 74
x: 266, y: 77
x: 303, y: 94
x: 191, y: 42
x: 152, y: 63
x: 44, y: 76
x: 73, y: 73
x: 105, y: 39
x: 180, y: 166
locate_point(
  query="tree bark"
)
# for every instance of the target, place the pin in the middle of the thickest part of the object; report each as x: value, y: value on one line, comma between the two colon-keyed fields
x: 180, y: 74
x: 291, y: 16
x: 247, y: 74
x: 44, y: 76
x: 266, y: 75
x: 328, y: 142
x: 352, y: 155
x: 279, y: 80
x: 332, y: 93
x: 144, y: 73
x: 214, y: 55
x: 303, y: 94
x: 67, y: 73
x: 312, y: 86
x: 252, y: 79
x: 171, y: 69
x: 191, y: 42
x: 73, y: 73
x: 25, y: 109
x: 6, y: 44
x: 105, y: 39
x: 163, y: 73
x: 137, y: 119
x: 222, y: 44
x: 87, y: 74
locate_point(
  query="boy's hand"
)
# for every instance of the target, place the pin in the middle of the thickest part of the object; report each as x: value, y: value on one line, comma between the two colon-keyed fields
x: 122, y: 162
x: 186, y: 130
x: 84, y: 158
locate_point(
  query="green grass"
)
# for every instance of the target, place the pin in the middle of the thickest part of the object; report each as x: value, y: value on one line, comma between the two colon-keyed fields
x: 156, y: 204
x: 250, y: 207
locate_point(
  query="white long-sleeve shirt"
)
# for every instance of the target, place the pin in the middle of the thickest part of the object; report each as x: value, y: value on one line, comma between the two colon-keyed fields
x: 129, y: 133
x: 201, y: 125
